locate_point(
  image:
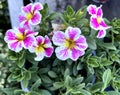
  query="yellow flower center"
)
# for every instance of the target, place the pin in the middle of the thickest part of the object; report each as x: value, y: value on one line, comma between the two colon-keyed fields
x: 20, y: 36
x: 69, y: 44
x: 40, y: 48
x: 98, y: 20
x: 29, y: 16
x: 81, y: 12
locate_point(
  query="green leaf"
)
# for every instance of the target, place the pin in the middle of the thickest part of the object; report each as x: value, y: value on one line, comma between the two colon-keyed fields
x: 93, y: 61
x: 113, y: 93
x: 44, y: 92
x: 46, y: 79
x: 18, y: 92
x: 77, y: 81
x: 25, y: 83
x: 67, y: 72
x: 79, y: 66
x: 105, y: 62
x: 27, y: 75
x: 81, y: 92
x: 36, y: 84
x: 52, y: 74
x: 43, y: 70
x: 69, y: 61
x: 9, y: 91
x: 108, y: 46
x: 56, y: 62
x: 70, y: 11
x: 68, y: 81
x: 20, y: 62
x: 10, y: 78
x: 85, y: 92
x: 115, y: 58
x: 91, y: 43
x: 58, y: 85
x: 97, y: 86
x: 107, y: 76
x: 35, y: 93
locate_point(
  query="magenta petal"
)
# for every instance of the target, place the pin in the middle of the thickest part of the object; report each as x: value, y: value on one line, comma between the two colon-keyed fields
x: 10, y: 36
x: 27, y: 8
x: 81, y: 40
x: 62, y: 53
x: 37, y: 6
x: 36, y: 18
x: 101, y: 34
x: 39, y: 40
x: 94, y: 24
x: 48, y: 51
x: 28, y: 42
x: 47, y: 40
x: 75, y: 54
x: 72, y: 33
x: 21, y: 30
x: 104, y: 25
x: 30, y: 32
x: 81, y: 43
x: 58, y: 38
x: 99, y: 12
x: 25, y: 24
x: 92, y: 9
x: 21, y: 18
x: 15, y: 46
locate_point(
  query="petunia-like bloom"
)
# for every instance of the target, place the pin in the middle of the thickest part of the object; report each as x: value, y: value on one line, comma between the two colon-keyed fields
x: 70, y: 44
x: 97, y: 21
x: 19, y: 38
x: 42, y: 48
x: 30, y: 14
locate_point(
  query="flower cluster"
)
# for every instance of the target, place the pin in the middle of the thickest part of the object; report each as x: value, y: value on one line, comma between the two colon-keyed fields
x: 71, y: 44
x: 97, y: 21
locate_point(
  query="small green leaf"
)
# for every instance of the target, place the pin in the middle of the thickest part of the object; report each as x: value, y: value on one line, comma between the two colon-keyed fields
x: 69, y: 61
x: 108, y: 46
x: 113, y: 93
x: 93, y: 61
x: 97, y: 86
x: 107, y: 76
x: 36, y: 84
x: 20, y: 62
x: 46, y: 79
x: 70, y: 10
x: 91, y: 43
x: 44, y: 92
x: 68, y: 81
x: 79, y: 66
x: 25, y: 83
x: 43, y: 70
x: 56, y: 62
x: 67, y: 72
x: 52, y: 74
x: 58, y: 85
x: 18, y: 92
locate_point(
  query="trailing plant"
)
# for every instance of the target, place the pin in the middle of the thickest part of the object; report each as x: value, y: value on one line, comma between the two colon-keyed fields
x: 78, y: 56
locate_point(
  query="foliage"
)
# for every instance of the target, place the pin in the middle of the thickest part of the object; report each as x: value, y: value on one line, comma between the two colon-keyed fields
x: 94, y: 73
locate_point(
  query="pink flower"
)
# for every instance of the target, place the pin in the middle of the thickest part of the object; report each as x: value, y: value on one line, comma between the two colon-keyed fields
x: 30, y: 14
x: 97, y: 21
x: 42, y: 48
x: 70, y: 44
x: 19, y: 38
